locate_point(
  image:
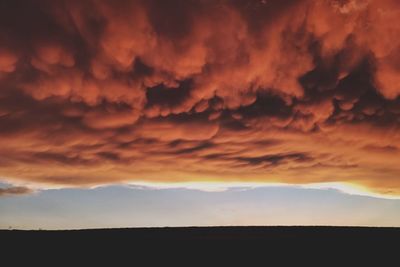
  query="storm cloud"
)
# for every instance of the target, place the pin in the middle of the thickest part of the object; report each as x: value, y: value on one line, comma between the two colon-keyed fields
x: 294, y: 91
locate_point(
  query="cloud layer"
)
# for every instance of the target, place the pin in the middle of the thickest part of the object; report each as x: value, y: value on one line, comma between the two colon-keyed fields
x: 16, y: 190
x: 293, y: 91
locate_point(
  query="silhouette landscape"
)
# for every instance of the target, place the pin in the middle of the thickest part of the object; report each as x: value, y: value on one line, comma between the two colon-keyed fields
x: 297, y: 244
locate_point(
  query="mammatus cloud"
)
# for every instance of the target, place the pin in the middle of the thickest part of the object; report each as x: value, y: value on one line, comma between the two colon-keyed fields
x: 17, y: 190
x: 293, y: 91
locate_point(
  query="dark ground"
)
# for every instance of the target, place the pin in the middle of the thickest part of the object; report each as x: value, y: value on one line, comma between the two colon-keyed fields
x: 198, y: 245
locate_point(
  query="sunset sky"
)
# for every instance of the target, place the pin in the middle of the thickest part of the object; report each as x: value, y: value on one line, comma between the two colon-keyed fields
x: 199, y: 112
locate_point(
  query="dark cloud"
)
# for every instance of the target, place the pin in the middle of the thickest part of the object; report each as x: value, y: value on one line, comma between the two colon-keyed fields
x: 276, y: 159
x: 190, y: 149
x: 162, y: 100
x: 95, y: 92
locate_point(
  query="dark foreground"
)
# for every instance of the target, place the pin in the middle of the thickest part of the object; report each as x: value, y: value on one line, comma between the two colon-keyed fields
x: 325, y: 245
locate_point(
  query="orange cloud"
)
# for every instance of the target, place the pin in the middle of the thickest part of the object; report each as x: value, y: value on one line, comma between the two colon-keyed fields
x: 17, y: 190
x: 8, y: 61
x: 98, y: 92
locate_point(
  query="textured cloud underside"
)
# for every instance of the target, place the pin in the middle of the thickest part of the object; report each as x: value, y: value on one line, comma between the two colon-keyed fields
x: 99, y: 92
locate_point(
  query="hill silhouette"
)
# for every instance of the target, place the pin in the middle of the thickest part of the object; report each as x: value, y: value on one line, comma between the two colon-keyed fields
x: 202, y: 244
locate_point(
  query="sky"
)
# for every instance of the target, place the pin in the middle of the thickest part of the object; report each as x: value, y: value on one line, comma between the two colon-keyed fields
x: 203, y: 95
x: 122, y: 206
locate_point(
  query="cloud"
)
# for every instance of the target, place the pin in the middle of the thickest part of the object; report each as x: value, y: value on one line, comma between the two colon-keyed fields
x: 298, y: 92
x: 17, y: 190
